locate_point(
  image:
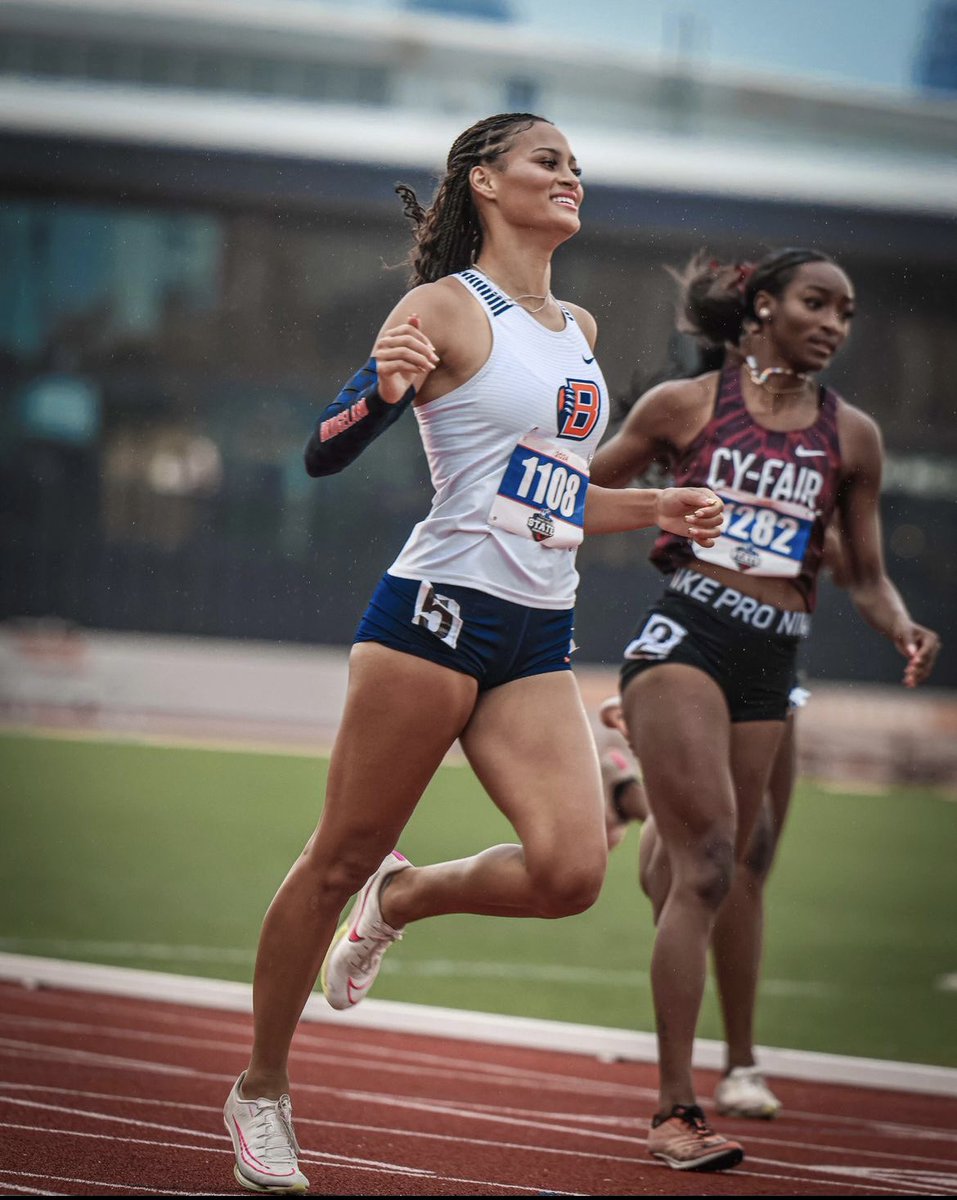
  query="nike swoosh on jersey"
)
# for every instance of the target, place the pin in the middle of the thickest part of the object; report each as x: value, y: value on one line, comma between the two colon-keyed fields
x: 588, y: 360
x: 803, y: 452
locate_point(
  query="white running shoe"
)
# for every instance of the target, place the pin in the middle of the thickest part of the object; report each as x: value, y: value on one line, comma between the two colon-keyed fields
x: 743, y: 1092
x: 264, y: 1142
x: 353, y: 960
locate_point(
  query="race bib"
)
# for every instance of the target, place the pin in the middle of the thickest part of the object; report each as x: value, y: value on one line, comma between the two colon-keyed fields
x: 542, y: 494
x: 761, y: 537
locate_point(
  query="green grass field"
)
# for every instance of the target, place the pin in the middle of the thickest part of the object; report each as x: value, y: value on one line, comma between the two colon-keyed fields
x: 166, y: 858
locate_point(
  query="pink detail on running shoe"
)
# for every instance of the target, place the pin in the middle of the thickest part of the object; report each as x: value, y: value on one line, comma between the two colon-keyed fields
x: 361, y: 988
x: 250, y: 1158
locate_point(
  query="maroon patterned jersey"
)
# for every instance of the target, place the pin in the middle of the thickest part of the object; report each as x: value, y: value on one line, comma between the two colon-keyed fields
x: 779, y: 491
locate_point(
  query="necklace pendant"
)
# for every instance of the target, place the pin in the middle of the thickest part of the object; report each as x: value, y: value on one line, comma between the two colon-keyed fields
x: 760, y: 378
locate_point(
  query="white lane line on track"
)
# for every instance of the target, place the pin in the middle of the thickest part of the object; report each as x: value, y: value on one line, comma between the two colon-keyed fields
x: 473, y: 1027
x: 391, y: 1131
x: 572, y: 1129
x: 21, y: 1049
x: 46, y: 1052
x: 842, y: 1186
x: 754, y: 1139
x: 567, y: 1129
x: 29, y: 1191
x: 550, y: 1123
x: 120, y: 1187
x: 479, y: 1072
x: 306, y: 1040
x: 866, y: 1126
x: 361, y: 1165
x: 218, y: 1136
x: 113, y: 1118
x: 559, y: 1082
x: 389, y: 1101
x: 870, y: 1174
x: 751, y: 1137
x: 322, y: 1160
x: 934, y: 1183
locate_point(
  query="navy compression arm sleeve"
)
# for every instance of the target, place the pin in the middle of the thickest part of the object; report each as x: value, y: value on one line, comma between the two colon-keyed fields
x: 355, y: 418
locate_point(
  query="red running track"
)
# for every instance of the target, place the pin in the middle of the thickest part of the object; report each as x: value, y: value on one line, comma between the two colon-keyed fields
x: 102, y: 1095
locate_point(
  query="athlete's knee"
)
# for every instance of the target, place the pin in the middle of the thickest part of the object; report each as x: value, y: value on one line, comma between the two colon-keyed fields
x: 570, y: 889
x: 711, y: 871
x: 335, y: 878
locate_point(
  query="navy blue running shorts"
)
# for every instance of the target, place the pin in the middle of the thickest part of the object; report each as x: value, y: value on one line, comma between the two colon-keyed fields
x: 493, y: 640
x: 749, y: 649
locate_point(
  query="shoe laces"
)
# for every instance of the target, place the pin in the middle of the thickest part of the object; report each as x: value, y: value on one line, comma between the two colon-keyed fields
x: 374, y: 944
x: 275, y: 1136
x: 692, y: 1116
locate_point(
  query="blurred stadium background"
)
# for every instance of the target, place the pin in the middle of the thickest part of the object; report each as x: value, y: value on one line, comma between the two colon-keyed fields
x: 199, y: 237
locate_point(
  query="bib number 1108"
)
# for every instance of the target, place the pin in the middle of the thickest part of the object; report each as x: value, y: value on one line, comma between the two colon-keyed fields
x: 550, y: 484
x: 542, y: 494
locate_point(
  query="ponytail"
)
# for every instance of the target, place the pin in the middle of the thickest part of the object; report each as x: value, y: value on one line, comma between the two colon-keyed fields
x: 716, y: 299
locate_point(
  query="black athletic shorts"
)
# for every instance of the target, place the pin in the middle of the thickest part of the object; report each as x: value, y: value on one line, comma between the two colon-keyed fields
x: 748, y: 648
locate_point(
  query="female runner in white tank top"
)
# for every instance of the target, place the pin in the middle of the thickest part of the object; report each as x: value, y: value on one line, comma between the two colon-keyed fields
x: 468, y: 635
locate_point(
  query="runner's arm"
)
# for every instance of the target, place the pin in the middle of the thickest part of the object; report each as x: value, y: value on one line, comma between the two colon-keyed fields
x: 870, y: 588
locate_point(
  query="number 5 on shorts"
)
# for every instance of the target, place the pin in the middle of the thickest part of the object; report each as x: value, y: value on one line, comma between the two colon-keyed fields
x: 440, y: 615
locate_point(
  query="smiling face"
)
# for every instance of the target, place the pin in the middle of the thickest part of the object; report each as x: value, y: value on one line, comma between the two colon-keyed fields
x: 535, y: 184
x: 811, y: 319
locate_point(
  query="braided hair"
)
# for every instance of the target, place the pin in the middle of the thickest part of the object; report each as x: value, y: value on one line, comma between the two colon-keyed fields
x: 448, y: 234
x: 716, y: 299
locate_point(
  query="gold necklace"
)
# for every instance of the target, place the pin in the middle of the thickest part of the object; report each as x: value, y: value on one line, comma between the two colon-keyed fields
x: 544, y: 300
x: 528, y: 296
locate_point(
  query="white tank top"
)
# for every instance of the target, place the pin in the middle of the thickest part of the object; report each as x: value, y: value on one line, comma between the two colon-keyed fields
x: 534, y: 378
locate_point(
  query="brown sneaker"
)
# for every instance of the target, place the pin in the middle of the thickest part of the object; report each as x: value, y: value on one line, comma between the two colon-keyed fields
x: 684, y: 1140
